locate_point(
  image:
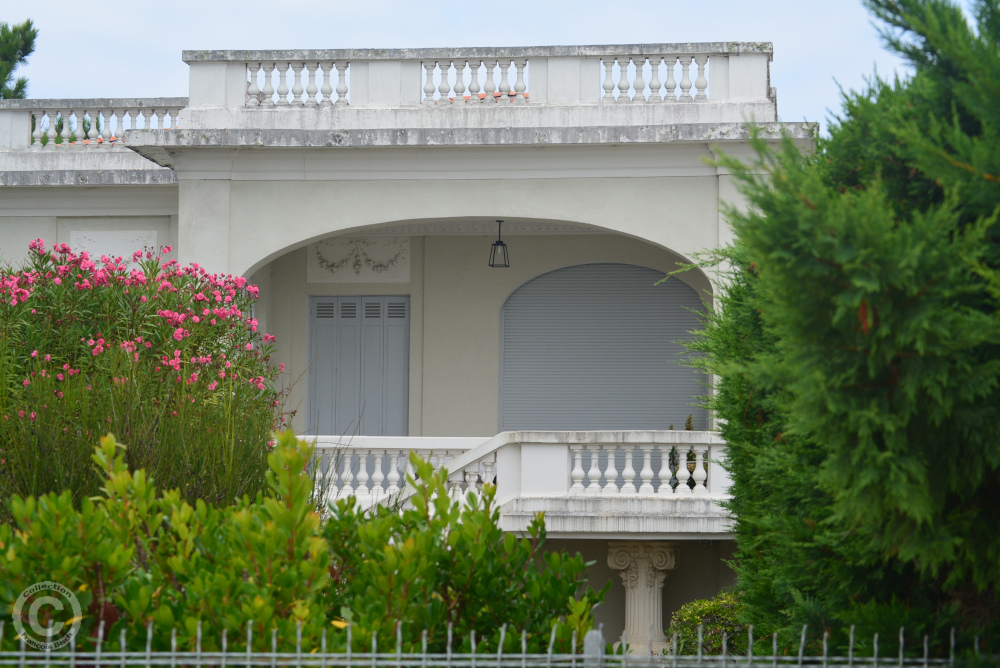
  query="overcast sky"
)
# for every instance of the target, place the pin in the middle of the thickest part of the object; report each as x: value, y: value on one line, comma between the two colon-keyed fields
x: 133, y: 48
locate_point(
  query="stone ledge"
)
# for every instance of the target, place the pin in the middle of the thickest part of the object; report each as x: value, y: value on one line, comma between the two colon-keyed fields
x: 634, y: 515
x: 83, y: 177
x: 144, y: 141
x: 590, y: 50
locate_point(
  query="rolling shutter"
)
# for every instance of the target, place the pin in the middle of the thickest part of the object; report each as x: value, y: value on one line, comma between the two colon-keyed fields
x: 359, y: 378
x: 595, y: 347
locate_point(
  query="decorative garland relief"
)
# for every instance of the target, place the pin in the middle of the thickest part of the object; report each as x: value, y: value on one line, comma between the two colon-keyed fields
x: 359, y: 260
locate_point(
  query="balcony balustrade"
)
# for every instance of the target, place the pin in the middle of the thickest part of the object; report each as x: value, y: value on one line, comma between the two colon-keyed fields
x: 555, y: 472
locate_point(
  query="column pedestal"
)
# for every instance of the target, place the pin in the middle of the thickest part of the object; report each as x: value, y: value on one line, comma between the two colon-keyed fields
x: 643, y: 567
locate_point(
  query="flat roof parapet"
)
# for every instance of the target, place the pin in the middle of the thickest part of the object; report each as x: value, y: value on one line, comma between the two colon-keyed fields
x: 586, y: 51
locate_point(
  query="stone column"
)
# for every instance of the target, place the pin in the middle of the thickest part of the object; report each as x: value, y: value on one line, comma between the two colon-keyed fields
x: 644, y: 567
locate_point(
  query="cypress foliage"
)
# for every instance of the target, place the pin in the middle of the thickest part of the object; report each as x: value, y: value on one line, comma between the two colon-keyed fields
x: 858, y: 349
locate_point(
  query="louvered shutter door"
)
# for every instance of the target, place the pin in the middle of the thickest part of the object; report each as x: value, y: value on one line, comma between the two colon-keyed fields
x: 324, y: 364
x: 397, y: 366
x: 359, y: 379
x: 372, y: 347
x: 594, y: 347
x: 347, y: 402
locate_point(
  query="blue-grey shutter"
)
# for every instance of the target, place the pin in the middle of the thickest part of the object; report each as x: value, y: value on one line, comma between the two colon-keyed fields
x: 359, y: 378
x: 373, y: 350
x: 347, y: 402
x: 323, y: 351
x: 595, y: 347
x: 397, y: 366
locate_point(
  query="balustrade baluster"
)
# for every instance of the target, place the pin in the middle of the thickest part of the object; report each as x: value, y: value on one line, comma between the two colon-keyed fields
x: 444, y: 88
x: 623, y: 79
x: 92, y: 133
x: 490, y: 86
x: 119, y: 133
x: 342, y: 83
x: 628, y: 473
x: 686, y: 80
x: 361, y: 479
x: 474, y: 84
x: 106, y: 129
x: 311, y: 86
x: 347, y: 478
x: 317, y: 472
x: 282, y: 84
x: 671, y: 85
x: 683, y: 474
x: 36, y: 133
x: 700, y: 475
x: 609, y: 83
x: 158, y: 124
x: 326, y: 91
x: 611, y: 472
x: 252, y: 90
x: 666, y: 473
x: 488, y: 469
x: 505, y: 80
x: 460, y: 66
x: 405, y: 471
x: 297, y: 84
x: 594, y: 474
x: 701, y: 83
x: 471, y: 479
x: 268, y: 100
x: 576, y: 452
x: 640, y: 83
x: 50, y: 133
x: 393, y: 477
x: 646, y: 475
x: 519, y: 85
x: 378, y: 477
x: 429, y: 86
x: 64, y: 135
x: 654, y: 81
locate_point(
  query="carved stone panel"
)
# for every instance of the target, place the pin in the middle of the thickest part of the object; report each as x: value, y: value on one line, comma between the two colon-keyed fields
x: 113, y: 243
x: 359, y: 260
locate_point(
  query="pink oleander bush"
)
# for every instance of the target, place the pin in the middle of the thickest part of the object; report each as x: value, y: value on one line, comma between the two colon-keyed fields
x: 168, y: 357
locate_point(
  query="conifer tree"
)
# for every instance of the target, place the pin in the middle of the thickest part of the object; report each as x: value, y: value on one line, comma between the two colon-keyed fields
x: 17, y: 42
x: 858, y: 348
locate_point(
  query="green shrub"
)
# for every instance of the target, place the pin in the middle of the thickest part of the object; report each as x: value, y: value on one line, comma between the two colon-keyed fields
x: 717, y: 616
x: 165, y: 356
x: 137, y: 558
x: 441, y: 563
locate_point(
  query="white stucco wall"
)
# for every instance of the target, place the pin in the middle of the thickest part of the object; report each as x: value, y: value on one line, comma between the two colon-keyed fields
x: 55, y: 213
x: 456, y: 301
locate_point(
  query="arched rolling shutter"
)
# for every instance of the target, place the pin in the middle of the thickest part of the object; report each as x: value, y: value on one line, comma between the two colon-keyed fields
x: 595, y: 347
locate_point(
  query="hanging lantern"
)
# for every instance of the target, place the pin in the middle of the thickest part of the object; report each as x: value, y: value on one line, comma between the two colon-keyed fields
x: 498, y: 252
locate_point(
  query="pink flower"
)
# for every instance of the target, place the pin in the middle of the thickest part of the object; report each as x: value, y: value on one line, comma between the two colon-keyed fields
x: 222, y: 374
x: 268, y: 338
x: 60, y: 376
x: 48, y: 358
x: 34, y: 353
x: 57, y: 280
x: 249, y: 346
x: 143, y: 299
x: 281, y: 368
x: 213, y: 385
x: 27, y: 382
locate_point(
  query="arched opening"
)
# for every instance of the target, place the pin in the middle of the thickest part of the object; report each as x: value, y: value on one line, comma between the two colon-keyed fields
x: 598, y: 346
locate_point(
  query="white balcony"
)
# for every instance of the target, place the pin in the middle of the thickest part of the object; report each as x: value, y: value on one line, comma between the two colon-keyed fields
x: 589, y: 484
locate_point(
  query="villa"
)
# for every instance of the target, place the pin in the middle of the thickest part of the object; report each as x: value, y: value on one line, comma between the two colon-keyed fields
x: 363, y: 192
